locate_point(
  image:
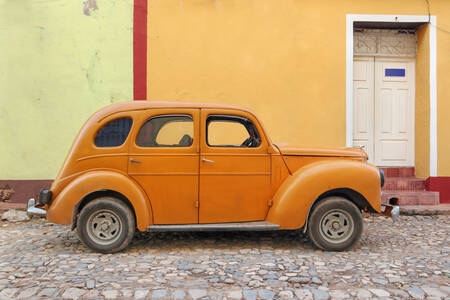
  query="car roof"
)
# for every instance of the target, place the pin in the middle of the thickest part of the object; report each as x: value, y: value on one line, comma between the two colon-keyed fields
x: 150, y: 104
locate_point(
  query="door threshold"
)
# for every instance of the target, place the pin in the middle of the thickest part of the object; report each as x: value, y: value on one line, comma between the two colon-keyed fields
x: 239, y: 226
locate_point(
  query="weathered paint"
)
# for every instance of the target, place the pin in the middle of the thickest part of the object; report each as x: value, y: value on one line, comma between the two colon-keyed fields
x: 57, y: 66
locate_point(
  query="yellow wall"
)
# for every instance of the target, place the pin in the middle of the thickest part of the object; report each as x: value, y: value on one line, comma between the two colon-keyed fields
x: 284, y: 59
x: 422, y: 107
x: 57, y: 66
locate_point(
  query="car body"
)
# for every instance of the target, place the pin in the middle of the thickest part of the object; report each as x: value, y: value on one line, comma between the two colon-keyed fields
x: 194, y: 166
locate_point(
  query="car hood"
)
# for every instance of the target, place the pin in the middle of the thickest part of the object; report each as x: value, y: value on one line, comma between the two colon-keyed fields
x: 291, y: 150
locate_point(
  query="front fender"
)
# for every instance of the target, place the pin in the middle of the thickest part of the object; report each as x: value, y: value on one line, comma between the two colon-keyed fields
x: 298, y: 192
x: 61, y: 208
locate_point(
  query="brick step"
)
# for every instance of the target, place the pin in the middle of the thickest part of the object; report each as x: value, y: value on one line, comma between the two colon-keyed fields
x: 404, y: 184
x: 411, y: 197
x: 399, y: 172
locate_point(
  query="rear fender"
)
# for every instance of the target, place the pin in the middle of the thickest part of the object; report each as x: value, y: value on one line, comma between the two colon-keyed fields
x: 62, y: 207
x: 297, y: 194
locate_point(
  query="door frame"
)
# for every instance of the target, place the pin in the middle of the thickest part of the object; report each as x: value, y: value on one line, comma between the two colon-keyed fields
x: 350, y: 19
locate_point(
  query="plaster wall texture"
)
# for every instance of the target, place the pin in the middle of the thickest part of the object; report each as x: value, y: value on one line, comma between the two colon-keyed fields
x: 286, y: 61
x: 57, y: 66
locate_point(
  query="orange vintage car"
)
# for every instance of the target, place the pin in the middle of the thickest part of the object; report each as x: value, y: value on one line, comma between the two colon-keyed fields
x: 173, y: 166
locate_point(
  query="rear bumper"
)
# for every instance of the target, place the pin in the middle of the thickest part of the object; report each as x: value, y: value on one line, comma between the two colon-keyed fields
x: 32, y: 210
x: 392, y: 211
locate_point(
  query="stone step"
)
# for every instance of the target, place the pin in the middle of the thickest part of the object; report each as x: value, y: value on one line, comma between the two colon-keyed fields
x: 404, y: 184
x: 411, y: 197
x: 399, y: 171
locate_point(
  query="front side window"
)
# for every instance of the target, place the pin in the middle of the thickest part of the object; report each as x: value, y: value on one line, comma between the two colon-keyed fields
x: 231, y: 131
x: 166, y: 131
x: 113, y: 133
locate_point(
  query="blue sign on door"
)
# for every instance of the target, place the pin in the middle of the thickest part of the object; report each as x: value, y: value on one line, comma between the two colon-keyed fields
x: 394, y: 72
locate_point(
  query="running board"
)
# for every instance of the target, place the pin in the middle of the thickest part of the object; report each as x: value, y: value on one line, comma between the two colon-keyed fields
x: 242, y: 226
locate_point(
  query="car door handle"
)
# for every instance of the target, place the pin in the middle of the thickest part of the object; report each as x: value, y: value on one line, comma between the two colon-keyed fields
x: 135, y: 161
x: 207, y: 160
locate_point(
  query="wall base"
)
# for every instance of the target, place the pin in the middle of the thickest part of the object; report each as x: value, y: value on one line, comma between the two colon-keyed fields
x: 441, y: 185
x: 19, y: 191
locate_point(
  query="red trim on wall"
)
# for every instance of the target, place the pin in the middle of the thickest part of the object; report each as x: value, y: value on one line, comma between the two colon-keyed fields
x: 19, y: 191
x: 140, y: 49
x: 441, y: 185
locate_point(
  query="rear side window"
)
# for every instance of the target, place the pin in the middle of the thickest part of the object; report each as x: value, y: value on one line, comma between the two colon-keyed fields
x: 167, y: 131
x: 114, y: 133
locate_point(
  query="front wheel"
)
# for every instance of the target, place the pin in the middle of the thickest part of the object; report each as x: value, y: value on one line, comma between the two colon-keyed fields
x: 106, y: 225
x: 335, y: 224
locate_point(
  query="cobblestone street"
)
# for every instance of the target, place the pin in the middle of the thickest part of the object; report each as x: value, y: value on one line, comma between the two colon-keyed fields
x: 405, y: 260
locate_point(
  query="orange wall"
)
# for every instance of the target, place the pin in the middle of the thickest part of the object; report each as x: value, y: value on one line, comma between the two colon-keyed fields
x: 443, y: 89
x: 422, y: 108
x: 284, y: 59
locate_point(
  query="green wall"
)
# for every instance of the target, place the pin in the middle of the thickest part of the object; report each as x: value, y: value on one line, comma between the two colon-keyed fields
x: 57, y: 67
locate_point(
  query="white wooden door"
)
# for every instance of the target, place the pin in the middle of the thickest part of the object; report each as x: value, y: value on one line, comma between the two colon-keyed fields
x: 383, y: 106
x: 394, y: 112
x: 363, y: 104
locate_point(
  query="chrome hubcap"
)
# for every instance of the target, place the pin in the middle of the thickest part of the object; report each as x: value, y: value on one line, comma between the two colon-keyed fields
x: 104, y: 227
x: 336, y: 226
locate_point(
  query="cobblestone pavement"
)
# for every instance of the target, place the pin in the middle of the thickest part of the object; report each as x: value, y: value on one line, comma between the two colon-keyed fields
x: 405, y: 260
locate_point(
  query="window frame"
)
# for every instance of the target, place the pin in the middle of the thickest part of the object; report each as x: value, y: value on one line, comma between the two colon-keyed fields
x: 236, y: 119
x: 163, y: 116
x: 108, y: 122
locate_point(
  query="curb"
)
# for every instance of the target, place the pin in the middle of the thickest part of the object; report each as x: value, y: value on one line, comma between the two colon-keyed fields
x: 423, y: 212
x: 4, y: 206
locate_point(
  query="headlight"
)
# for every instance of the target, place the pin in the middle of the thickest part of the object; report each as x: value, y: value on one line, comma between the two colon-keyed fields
x: 45, y: 196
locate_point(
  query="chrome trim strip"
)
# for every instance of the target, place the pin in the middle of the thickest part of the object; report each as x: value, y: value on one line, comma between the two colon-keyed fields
x: 241, y: 226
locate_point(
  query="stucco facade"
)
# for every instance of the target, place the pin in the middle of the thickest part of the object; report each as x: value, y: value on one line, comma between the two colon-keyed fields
x: 286, y: 60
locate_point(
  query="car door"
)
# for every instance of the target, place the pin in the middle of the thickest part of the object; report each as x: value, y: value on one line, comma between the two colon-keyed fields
x: 164, y: 160
x: 235, y: 168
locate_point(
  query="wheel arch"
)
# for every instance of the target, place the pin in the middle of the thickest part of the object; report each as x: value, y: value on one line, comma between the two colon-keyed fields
x: 93, y: 184
x: 95, y: 195
x: 349, y: 194
x: 355, y: 180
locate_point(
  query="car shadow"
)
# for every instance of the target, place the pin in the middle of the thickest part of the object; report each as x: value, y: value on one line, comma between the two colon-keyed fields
x: 283, y: 239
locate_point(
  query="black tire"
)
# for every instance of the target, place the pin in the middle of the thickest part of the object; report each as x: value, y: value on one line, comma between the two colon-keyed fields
x: 106, y: 225
x: 335, y: 224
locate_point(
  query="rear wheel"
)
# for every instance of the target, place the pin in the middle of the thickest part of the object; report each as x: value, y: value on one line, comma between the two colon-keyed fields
x: 106, y: 225
x: 335, y: 224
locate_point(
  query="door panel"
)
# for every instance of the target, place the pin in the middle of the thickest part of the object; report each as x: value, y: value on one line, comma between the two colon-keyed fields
x: 234, y: 182
x: 168, y: 174
x: 383, y: 91
x: 394, y: 112
x: 363, y: 93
